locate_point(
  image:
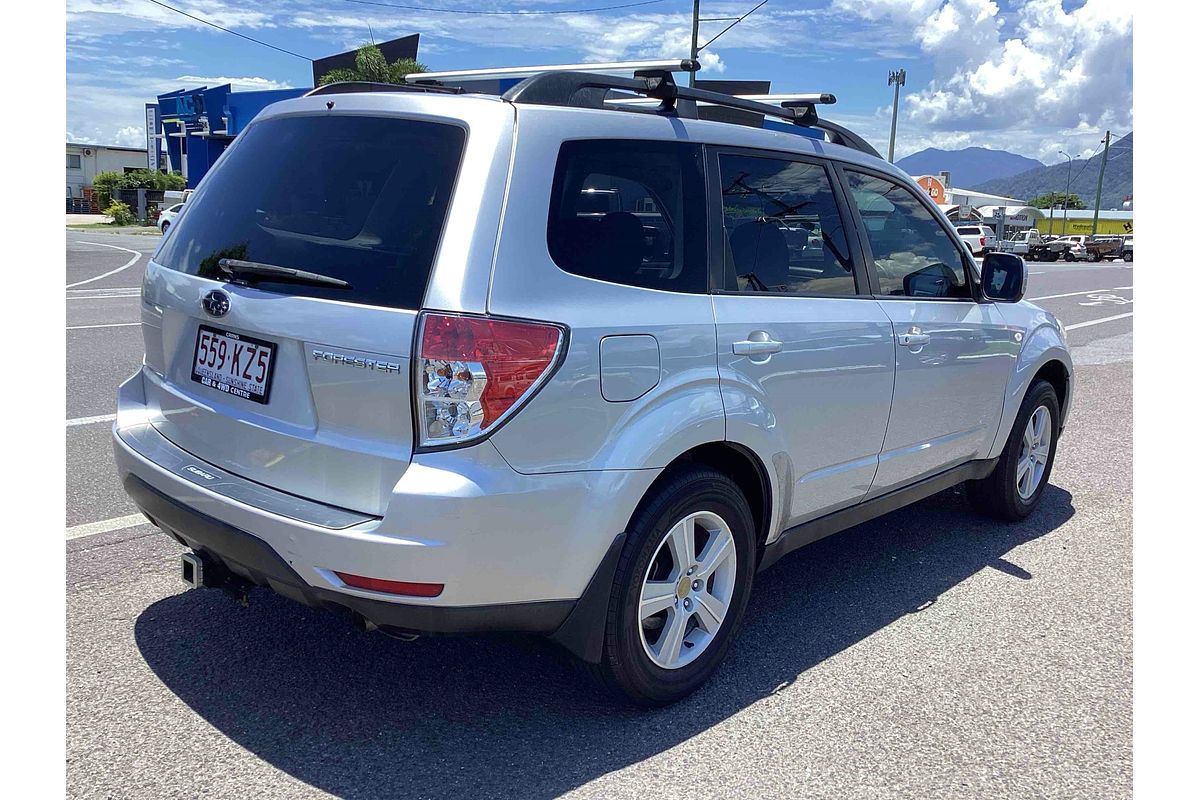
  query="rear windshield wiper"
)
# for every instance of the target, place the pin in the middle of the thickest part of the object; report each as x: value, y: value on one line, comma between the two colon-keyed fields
x: 234, y: 268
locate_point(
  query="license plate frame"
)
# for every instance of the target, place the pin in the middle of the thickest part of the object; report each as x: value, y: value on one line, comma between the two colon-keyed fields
x: 236, y: 391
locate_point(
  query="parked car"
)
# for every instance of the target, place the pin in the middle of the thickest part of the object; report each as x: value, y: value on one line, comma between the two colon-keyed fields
x: 167, y: 218
x: 1127, y: 248
x: 979, y: 238
x: 1104, y: 247
x: 446, y: 396
x: 1032, y: 244
x: 1076, y: 249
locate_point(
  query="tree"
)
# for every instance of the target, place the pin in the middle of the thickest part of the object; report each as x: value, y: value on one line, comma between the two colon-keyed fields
x: 1056, y: 199
x: 371, y: 67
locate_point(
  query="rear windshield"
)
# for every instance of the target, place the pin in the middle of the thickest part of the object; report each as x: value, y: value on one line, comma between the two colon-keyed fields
x: 969, y: 231
x: 361, y: 199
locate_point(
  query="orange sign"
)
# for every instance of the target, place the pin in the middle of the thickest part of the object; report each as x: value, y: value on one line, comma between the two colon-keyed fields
x: 933, y: 187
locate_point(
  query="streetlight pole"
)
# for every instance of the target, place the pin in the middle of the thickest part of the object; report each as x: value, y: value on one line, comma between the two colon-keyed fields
x: 1067, y: 191
x: 895, y: 78
x: 1100, y: 182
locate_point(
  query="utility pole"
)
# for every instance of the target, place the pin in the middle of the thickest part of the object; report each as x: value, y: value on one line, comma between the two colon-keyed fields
x: 1100, y: 183
x: 695, y: 39
x: 894, y: 78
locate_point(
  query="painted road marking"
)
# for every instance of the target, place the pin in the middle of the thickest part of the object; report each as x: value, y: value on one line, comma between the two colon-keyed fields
x: 106, y: 525
x: 1075, y: 294
x: 71, y: 423
x: 126, y: 265
x: 106, y: 325
x: 1097, y: 321
x: 100, y: 294
x: 1104, y: 298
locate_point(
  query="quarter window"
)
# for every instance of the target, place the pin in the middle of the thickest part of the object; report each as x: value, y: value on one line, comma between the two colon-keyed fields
x: 912, y: 252
x: 630, y: 212
x: 783, y: 231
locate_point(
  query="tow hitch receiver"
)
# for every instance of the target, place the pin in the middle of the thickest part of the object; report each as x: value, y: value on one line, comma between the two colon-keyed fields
x: 193, y: 570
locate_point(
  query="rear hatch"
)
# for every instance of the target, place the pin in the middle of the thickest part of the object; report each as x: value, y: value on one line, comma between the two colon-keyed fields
x: 302, y: 381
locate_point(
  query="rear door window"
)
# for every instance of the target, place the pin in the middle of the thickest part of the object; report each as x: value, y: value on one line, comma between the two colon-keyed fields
x: 630, y: 212
x: 360, y: 199
x: 783, y: 230
x: 913, y: 254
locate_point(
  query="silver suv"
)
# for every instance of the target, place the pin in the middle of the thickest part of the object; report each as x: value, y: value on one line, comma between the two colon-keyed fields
x: 543, y: 363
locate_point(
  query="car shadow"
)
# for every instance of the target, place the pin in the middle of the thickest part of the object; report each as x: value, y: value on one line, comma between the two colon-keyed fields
x: 362, y: 715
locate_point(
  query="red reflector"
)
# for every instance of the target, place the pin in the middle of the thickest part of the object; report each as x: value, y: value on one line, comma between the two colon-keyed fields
x: 391, y: 587
x: 513, y: 354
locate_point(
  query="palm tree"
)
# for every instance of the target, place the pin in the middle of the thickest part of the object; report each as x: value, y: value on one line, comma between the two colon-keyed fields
x: 370, y: 66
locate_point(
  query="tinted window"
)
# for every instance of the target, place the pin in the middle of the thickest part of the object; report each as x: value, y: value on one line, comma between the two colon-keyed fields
x: 356, y: 198
x: 913, y: 254
x: 630, y: 212
x: 783, y: 232
x: 969, y: 231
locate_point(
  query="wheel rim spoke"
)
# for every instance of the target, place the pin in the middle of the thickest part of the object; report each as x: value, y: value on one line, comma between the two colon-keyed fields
x: 716, y: 551
x: 656, y: 596
x: 671, y: 643
x: 710, y: 612
x: 682, y: 541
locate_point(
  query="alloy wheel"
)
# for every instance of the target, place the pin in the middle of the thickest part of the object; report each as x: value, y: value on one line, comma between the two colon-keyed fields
x: 687, y: 589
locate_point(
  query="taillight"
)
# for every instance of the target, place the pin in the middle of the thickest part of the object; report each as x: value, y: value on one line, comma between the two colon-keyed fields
x: 472, y: 371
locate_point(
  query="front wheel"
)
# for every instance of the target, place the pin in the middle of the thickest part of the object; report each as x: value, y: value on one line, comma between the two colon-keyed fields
x: 680, y: 589
x: 1128, y: 257
x: 1015, y: 486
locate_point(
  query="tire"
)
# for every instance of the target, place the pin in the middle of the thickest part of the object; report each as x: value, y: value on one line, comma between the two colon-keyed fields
x: 164, y: 227
x: 628, y: 666
x: 1069, y: 257
x: 999, y: 494
x: 1128, y: 257
x: 1093, y: 257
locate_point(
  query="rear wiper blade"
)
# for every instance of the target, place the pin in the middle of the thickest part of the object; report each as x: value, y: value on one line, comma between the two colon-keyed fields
x: 235, y: 267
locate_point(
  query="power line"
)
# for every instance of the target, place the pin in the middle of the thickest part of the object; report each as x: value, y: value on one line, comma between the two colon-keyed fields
x: 735, y: 22
x: 235, y: 33
x: 407, y: 7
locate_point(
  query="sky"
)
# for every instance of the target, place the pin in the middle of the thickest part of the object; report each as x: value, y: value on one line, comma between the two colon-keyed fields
x: 1029, y: 76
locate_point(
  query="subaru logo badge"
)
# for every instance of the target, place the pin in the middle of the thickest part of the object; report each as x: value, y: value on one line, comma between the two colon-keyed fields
x: 216, y: 303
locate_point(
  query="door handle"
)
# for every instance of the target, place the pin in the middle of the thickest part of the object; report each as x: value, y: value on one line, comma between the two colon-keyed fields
x: 914, y: 338
x: 757, y: 348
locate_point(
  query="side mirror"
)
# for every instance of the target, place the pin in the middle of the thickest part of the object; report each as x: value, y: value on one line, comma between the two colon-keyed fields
x: 1004, y: 276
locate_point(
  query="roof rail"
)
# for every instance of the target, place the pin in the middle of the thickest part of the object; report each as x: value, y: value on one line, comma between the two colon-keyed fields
x: 348, y: 87
x: 500, y: 73
x: 589, y: 90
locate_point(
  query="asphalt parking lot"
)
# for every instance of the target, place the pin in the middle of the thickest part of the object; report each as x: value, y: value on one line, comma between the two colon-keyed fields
x: 929, y: 653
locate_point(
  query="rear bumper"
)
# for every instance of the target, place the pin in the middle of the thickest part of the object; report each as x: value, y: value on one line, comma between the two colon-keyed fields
x: 253, y: 560
x: 513, y: 551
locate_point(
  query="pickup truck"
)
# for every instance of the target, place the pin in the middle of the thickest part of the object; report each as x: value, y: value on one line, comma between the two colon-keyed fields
x: 1033, y: 246
x: 1103, y: 247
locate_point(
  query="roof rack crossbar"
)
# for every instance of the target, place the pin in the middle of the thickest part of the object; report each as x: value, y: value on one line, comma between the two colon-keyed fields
x: 348, y: 87
x: 495, y: 73
x: 589, y: 90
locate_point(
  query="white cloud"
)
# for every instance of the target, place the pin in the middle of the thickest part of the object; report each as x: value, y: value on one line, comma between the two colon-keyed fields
x: 1056, y: 68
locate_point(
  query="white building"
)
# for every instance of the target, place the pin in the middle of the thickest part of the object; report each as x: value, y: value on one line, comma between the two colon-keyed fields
x: 968, y: 205
x: 85, y: 160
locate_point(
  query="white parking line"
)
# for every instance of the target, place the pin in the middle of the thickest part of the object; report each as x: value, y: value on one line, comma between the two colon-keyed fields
x: 102, y: 294
x: 106, y: 525
x: 105, y: 325
x: 126, y: 265
x: 1096, y: 321
x: 1073, y: 294
x: 71, y: 423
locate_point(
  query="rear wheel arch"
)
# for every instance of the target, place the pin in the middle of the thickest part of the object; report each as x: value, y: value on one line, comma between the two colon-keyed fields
x: 741, y: 465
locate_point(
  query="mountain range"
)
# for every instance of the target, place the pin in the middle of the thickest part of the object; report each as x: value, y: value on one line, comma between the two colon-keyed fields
x: 968, y: 167
x: 1118, y: 178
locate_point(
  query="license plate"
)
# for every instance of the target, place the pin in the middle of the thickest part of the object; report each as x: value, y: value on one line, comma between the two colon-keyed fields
x: 233, y: 363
